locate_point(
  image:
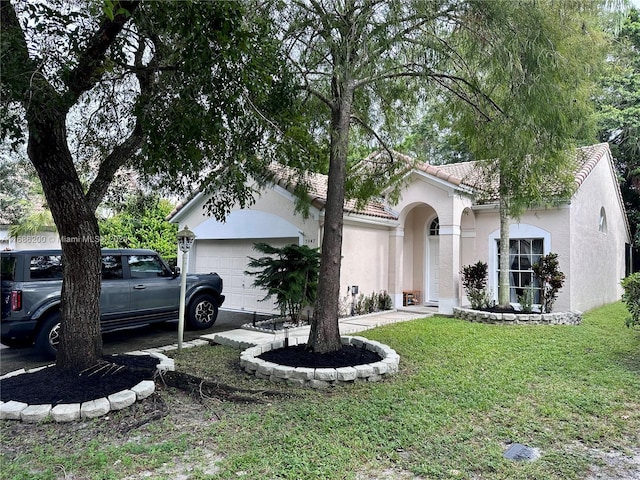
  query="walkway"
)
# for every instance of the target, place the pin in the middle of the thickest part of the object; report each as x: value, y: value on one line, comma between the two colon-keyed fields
x: 242, y: 338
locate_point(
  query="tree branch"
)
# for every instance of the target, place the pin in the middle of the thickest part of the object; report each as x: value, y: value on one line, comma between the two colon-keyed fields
x: 83, y: 77
x: 374, y: 133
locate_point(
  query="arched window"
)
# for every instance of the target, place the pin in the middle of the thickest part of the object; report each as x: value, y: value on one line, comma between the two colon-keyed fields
x: 434, y: 227
x: 602, y: 224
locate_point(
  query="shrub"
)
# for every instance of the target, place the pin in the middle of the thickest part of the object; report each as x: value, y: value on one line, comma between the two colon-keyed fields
x: 290, y: 273
x: 376, y: 302
x: 526, y: 299
x: 631, y: 297
x: 384, y: 301
x: 474, y: 281
x: 550, y: 280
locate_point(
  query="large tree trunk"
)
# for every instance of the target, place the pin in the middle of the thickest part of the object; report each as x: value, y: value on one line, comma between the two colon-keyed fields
x: 503, y: 281
x: 80, y: 343
x: 325, y: 334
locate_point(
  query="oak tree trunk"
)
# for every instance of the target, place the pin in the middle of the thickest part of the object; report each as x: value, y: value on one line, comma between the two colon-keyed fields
x: 325, y: 334
x: 79, y: 234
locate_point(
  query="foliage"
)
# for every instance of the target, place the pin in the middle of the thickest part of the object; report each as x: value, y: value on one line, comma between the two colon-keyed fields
x: 140, y: 223
x: 289, y: 273
x: 550, y: 279
x: 619, y: 114
x: 474, y: 282
x: 535, y: 107
x: 526, y: 300
x: 195, y: 95
x: 631, y: 297
x: 374, y: 303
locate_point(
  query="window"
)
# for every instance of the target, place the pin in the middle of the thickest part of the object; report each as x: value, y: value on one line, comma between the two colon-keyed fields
x: 602, y: 225
x: 8, y: 267
x: 111, y: 267
x: 146, y: 266
x: 523, y: 253
x: 434, y: 227
x: 46, y: 267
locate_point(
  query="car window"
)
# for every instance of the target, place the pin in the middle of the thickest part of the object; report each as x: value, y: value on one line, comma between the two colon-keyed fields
x: 46, y: 267
x: 111, y: 267
x: 8, y: 267
x: 146, y: 266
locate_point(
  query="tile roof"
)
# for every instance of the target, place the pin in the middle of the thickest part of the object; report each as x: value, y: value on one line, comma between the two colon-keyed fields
x: 465, y: 174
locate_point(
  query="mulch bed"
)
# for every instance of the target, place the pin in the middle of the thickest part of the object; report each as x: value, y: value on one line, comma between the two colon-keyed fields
x: 52, y: 386
x: 299, y: 356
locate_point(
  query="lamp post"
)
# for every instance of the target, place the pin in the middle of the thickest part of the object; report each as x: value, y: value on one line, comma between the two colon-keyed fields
x: 185, y: 240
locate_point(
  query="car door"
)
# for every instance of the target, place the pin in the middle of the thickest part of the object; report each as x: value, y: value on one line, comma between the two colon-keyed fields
x: 154, y: 289
x: 115, y: 291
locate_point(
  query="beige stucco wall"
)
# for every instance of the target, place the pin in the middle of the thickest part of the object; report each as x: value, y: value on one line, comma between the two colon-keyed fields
x: 365, y: 259
x: 597, y: 257
x: 552, y: 224
x: 276, y: 201
x: 424, y: 199
x: 35, y: 241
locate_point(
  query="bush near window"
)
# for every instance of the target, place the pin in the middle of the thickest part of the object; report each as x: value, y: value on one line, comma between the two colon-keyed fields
x: 550, y: 279
x: 631, y: 297
x: 474, y: 281
x: 290, y: 274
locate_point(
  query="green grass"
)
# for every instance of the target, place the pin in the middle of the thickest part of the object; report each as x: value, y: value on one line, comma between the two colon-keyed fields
x: 464, y: 391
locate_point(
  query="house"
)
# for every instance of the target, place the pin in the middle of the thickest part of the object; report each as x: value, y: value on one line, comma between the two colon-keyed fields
x: 416, y: 248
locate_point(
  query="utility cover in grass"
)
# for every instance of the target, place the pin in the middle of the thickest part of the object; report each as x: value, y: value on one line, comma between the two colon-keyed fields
x: 522, y: 453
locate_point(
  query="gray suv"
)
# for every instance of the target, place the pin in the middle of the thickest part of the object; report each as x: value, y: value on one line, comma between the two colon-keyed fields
x: 138, y: 288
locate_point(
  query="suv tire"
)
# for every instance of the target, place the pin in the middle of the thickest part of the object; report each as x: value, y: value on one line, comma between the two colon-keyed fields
x: 203, y: 312
x: 48, y: 336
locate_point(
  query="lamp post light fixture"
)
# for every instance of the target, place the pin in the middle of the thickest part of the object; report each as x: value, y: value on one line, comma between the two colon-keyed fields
x: 185, y: 240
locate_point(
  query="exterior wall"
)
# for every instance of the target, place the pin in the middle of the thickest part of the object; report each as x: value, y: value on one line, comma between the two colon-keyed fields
x: 36, y: 241
x: 365, y: 260
x: 597, y: 257
x: 551, y: 224
x: 425, y: 198
x: 274, y: 201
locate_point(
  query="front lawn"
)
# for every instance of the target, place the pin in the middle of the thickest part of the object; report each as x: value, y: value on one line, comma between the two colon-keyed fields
x: 464, y: 392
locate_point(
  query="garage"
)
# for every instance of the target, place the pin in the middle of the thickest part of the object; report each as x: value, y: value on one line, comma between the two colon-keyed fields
x: 229, y: 258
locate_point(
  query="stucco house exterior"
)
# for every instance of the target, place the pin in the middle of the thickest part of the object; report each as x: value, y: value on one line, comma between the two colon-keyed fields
x: 418, y: 246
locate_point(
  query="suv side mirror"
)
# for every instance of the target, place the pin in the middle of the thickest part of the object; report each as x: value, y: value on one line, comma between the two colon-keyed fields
x: 176, y: 272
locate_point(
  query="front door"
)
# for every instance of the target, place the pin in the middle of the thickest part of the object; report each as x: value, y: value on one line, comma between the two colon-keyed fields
x: 433, y: 262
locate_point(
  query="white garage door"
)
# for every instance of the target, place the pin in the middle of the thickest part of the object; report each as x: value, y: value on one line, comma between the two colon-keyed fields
x: 229, y: 258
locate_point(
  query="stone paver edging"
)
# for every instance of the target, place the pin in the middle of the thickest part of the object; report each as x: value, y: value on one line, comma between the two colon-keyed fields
x: 69, y: 412
x: 560, y: 318
x: 321, y: 377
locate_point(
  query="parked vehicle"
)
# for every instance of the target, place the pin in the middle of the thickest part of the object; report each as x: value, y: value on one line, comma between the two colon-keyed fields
x: 138, y: 288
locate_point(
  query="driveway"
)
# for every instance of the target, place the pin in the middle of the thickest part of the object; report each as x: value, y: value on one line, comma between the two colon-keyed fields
x: 122, y: 341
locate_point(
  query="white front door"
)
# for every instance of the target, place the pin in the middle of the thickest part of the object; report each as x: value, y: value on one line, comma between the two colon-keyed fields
x: 433, y: 269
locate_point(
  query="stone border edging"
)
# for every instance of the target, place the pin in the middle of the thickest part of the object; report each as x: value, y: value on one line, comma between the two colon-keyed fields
x: 321, y: 377
x: 69, y: 412
x: 560, y: 318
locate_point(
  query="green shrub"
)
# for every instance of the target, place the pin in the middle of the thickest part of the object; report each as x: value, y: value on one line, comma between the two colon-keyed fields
x: 631, y: 297
x: 550, y: 280
x: 526, y: 299
x: 290, y: 273
x: 474, y: 281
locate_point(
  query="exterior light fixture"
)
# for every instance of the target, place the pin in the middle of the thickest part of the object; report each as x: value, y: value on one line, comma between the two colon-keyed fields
x: 185, y: 240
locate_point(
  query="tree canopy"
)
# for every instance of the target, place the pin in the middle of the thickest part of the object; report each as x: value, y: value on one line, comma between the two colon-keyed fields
x: 193, y: 94
x: 515, y: 75
x: 619, y: 114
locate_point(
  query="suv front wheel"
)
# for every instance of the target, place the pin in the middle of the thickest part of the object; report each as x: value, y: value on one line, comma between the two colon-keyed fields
x: 48, y: 336
x: 203, y: 312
